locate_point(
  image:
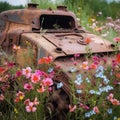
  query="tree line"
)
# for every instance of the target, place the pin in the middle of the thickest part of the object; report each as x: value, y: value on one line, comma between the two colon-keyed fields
x: 89, y: 7
x: 6, y: 6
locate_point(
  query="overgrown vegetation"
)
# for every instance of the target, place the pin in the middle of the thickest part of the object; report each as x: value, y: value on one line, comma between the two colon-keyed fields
x: 92, y: 7
x: 24, y: 92
x: 6, y: 6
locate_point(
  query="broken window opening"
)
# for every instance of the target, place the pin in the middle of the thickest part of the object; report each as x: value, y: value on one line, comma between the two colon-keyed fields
x: 57, y: 22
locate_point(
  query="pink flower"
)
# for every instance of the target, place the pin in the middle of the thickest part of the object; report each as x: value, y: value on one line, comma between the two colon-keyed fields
x: 27, y: 72
x: 41, y: 89
x: 41, y: 73
x: 26, y: 102
x: 116, y: 39
x: 84, y: 106
x: 110, y: 97
x: 35, y: 78
x: 30, y: 107
x: 115, y: 102
x: 96, y: 60
x: 104, y: 60
x: 47, y: 82
x: 50, y: 89
x: 28, y: 86
x: 15, y: 47
x: 72, y: 108
x: 38, y: 72
x: 20, y: 95
x: 44, y: 74
x: 75, y: 62
x: 52, y: 74
x: 2, y: 97
x: 114, y: 63
x: 75, y: 59
x: 18, y: 73
x: 11, y: 64
x: 1, y: 79
x: 84, y: 65
x: 96, y: 109
x: 35, y: 102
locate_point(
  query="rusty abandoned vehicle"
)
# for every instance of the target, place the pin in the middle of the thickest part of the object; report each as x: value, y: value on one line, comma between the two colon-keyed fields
x: 53, y: 33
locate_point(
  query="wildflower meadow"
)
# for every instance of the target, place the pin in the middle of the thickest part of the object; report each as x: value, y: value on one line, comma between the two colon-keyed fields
x: 24, y: 92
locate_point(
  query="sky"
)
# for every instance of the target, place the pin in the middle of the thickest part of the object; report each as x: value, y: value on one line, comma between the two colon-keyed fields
x: 24, y: 2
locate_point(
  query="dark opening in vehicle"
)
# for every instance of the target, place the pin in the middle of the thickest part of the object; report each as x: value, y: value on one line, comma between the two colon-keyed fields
x: 57, y: 22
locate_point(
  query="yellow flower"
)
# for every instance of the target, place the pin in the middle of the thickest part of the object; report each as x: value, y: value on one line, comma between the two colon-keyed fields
x: 18, y: 69
x: 21, y: 97
x: 118, y: 119
x: 15, y: 110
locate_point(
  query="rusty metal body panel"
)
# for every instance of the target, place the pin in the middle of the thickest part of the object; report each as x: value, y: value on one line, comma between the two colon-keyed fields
x: 15, y: 22
x: 42, y: 43
x: 68, y: 43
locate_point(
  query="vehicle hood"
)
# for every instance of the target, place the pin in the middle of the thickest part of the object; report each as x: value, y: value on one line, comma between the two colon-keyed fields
x: 70, y: 43
x: 66, y: 44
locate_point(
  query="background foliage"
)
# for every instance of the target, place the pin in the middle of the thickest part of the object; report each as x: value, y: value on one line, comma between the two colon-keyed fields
x: 6, y: 6
x: 88, y: 7
x: 94, y: 6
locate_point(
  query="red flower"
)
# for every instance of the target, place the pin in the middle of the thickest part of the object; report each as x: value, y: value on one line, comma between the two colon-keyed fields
x: 41, y: 61
x: 93, y: 66
x: 27, y: 101
x: 87, y: 40
x: 11, y: 64
x: 1, y: 69
x: 48, y: 82
x: 118, y: 58
x: 18, y: 73
x: 16, y: 100
x: 45, y: 60
x: 35, y: 78
x: 118, y: 75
